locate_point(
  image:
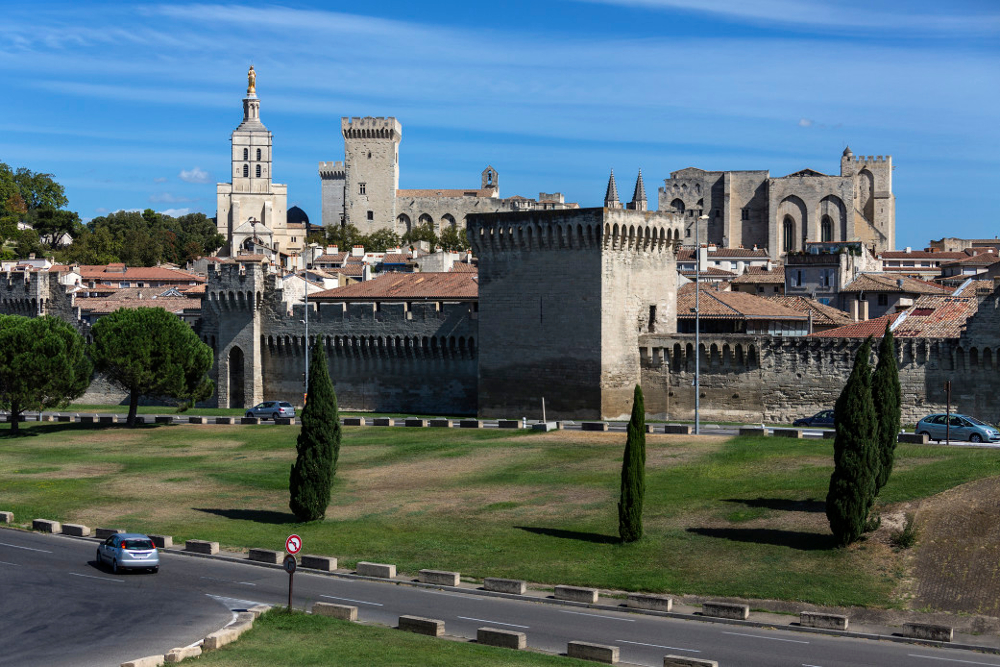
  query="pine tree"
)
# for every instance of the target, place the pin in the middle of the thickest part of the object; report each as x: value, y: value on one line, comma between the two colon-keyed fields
x: 318, y: 444
x: 633, y: 489
x: 887, y: 398
x: 852, y: 485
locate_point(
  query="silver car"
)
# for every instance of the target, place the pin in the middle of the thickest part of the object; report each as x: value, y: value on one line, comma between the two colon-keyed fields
x: 129, y: 551
x: 272, y: 410
x: 957, y: 427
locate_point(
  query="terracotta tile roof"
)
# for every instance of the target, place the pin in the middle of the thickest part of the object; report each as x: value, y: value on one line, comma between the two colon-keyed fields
x: 401, y: 258
x: 822, y: 314
x: 977, y: 287
x: 759, y: 275
x: 195, y: 289
x: 444, y: 193
x: 407, y: 287
x: 709, y: 272
x: 863, y: 329
x: 734, y: 306
x: 118, y: 273
x: 146, y: 293
x: 716, y: 286
x: 931, y: 316
x: 170, y: 304
x: 464, y: 267
x: 980, y: 259
x: 875, y: 282
x: 335, y: 258
x: 723, y: 253
x: 921, y: 254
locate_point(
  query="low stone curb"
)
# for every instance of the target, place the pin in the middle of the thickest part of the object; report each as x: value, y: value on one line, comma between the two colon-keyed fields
x: 221, y: 637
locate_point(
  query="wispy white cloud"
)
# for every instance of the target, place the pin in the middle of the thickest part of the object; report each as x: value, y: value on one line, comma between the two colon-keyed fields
x: 175, y: 212
x: 160, y: 179
x: 196, y: 175
x: 168, y: 198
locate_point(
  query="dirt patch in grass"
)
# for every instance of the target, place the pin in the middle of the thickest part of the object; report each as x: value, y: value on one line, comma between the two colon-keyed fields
x: 77, y: 471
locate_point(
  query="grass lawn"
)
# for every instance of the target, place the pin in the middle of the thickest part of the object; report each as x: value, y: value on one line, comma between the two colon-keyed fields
x: 279, y: 638
x: 740, y: 516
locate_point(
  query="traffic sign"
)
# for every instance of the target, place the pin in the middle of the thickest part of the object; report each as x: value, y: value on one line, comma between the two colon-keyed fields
x: 289, y: 564
x: 293, y: 544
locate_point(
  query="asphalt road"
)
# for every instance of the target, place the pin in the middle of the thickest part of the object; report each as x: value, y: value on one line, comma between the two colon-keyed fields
x: 58, y: 608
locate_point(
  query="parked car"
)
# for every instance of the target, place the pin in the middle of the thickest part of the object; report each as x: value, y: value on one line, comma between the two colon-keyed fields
x: 957, y: 427
x: 272, y: 410
x: 821, y: 418
x: 129, y: 551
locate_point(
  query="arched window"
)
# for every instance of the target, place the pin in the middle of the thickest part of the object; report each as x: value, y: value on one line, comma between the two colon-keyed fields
x: 826, y: 229
x: 677, y: 205
x: 788, y: 233
x: 258, y: 171
x: 246, y: 153
x: 246, y: 171
x: 258, y: 155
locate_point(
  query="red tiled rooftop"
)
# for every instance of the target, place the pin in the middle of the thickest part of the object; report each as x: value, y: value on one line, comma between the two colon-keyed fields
x: 733, y: 305
x: 407, y: 287
x: 757, y: 275
x: 874, y: 282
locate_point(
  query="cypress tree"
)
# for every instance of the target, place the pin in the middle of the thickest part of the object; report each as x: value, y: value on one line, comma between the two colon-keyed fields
x: 318, y: 444
x: 633, y: 489
x: 887, y: 398
x: 852, y: 485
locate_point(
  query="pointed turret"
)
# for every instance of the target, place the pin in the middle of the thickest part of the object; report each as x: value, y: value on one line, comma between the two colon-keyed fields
x: 611, y: 196
x: 639, y: 202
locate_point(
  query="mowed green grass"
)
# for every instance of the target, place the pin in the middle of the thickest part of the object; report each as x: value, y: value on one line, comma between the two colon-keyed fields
x: 280, y: 638
x: 740, y: 517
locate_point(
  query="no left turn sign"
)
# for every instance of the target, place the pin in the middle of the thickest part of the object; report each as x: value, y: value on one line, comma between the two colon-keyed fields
x: 293, y: 544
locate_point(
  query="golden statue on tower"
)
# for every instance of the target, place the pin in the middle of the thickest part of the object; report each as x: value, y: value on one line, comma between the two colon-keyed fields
x: 251, y: 82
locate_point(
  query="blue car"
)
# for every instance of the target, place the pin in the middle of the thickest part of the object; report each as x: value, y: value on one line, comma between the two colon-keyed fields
x: 823, y: 418
x: 956, y: 427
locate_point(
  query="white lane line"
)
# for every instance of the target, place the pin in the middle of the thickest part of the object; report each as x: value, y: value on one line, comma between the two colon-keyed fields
x: 483, y: 620
x: 232, y: 603
x: 90, y: 576
x: 964, y: 662
x: 14, y: 564
x: 774, y: 639
x: 374, y: 604
x: 805, y: 665
x: 5, y: 544
x: 669, y: 648
x: 610, y: 618
x: 457, y: 595
x: 246, y: 583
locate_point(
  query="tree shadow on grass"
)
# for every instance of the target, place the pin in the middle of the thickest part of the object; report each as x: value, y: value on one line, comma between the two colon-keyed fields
x: 595, y: 538
x: 257, y: 516
x: 783, y: 504
x: 783, y: 538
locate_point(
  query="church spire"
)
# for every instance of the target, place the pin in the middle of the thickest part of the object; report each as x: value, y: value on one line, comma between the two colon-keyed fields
x: 611, y: 196
x: 639, y: 202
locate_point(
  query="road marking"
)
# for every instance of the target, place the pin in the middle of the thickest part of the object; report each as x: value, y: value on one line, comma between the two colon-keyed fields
x: 483, y: 620
x: 246, y: 583
x: 90, y: 576
x: 14, y: 564
x: 964, y: 662
x: 610, y: 618
x: 456, y: 595
x: 805, y: 665
x: 669, y: 648
x: 374, y: 604
x: 229, y: 581
x: 5, y: 544
x: 774, y: 639
x: 234, y: 603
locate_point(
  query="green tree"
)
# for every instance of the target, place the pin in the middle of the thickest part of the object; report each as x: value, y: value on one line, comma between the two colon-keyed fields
x: 633, y: 487
x: 380, y: 241
x: 887, y: 399
x: 318, y: 445
x: 454, y: 239
x: 424, y: 232
x: 852, y: 485
x: 42, y: 364
x: 150, y: 352
x: 53, y: 225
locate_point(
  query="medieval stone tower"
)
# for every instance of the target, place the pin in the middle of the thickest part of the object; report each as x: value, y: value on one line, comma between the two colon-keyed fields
x: 371, y: 151
x: 563, y: 297
x: 873, y: 198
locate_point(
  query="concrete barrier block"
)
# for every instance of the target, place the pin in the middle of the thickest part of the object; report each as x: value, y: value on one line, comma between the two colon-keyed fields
x: 439, y: 577
x: 470, y: 423
x: 576, y: 594
x: 64, y: 418
x: 421, y: 626
x: 678, y: 429
x: 595, y: 652
x: 148, y: 661
x: 107, y: 419
x: 414, y: 422
x: 380, y: 570
x: 163, y: 419
x: 197, y: 420
x: 726, y: 610
x: 46, y: 526
x: 545, y: 427
x: 219, y: 638
x: 88, y: 419
x: 508, y: 423
x: 258, y: 609
x: 6, y: 517
x: 813, y: 619
x: 384, y: 421
x: 652, y: 602
x: 341, y: 611
x: 202, y: 547
x: 938, y: 633
x: 502, y: 638
x: 354, y: 421
x: 684, y: 661
x: 75, y: 529
x: 753, y: 430
x: 594, y: 426
x: 913, y: 438
x: 250, y: 420
x: 266, y: 556
x: 178, y: 654
x: 162, y: 541
x: 225, y: 420
x: 285, y: 421
x: 511, y: 586
x: 786, y: 432
x: 560, y: 426
x: 139, y: 420
x: 829, y: 435
x: 651, y: 428
x: 105, y: 533
x: 439, y: 423
x: 46, y: 418
x: 325, y: 563
x: 10, y: 418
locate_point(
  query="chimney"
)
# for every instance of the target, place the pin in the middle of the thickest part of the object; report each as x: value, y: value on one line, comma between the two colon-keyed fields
x: 864, y: 310
x: 358, y: 251
x: 332, y: 250
x: 855, y: 309
x: 899, y: 283
x: 909, y: 249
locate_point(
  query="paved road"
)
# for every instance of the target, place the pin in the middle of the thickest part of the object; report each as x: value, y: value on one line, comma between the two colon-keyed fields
x: 57, y: 608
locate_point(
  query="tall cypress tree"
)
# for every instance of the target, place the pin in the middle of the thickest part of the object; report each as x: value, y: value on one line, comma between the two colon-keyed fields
x: 887, y: 398
x: 852, y: 485
x: 318, y: 444
x: 633, y: 489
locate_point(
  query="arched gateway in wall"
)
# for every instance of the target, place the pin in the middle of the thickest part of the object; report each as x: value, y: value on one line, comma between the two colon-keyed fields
x: 237, y: 396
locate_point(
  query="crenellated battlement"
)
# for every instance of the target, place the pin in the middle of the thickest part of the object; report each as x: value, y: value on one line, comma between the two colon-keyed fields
x: 871, y: 159
x: 371, y: 128
x: 332, y: 170
x: 237, y: 286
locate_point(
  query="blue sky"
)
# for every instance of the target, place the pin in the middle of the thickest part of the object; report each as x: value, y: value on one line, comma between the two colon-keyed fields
x: 130, y: 105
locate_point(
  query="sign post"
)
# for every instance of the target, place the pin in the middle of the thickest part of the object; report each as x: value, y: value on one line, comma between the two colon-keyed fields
x: 292, y: 545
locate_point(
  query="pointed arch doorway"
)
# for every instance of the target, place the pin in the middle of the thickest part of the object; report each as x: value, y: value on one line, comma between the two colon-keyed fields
x: 236, y: 383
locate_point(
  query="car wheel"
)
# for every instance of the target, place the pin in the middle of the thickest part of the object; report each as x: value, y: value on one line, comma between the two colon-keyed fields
x: 155, y: 569
x: 114, y: 566
x: 975, y: 437
x: 274, y: 416
x: 249, y: 415
x: 99, y: 561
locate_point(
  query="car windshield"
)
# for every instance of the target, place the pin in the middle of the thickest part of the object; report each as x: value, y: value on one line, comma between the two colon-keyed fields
x: 976, y: 421
x: 285, y: 405
x: 137, y: 545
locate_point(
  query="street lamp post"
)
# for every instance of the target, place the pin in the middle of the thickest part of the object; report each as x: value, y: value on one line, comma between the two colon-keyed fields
x: 697, y: 324
x: 305, y: 395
